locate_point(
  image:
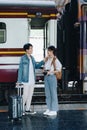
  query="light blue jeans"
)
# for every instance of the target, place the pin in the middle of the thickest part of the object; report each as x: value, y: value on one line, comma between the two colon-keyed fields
x: 51, y: 92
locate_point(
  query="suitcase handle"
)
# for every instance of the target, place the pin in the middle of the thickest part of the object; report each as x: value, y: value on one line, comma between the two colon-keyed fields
x: 19, y: 87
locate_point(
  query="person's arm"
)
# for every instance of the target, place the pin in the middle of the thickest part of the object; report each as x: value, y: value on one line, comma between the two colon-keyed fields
x: 38, y: 65
x: 58, y: 65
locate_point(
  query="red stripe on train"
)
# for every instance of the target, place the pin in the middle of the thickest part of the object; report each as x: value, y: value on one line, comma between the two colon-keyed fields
x: 8, y: 75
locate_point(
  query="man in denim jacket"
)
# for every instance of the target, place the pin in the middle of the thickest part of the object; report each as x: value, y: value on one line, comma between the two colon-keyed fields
x: 26, y: 76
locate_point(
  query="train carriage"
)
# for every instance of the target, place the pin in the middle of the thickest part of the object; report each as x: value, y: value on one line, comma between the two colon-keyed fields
x: 17, y: 18
x: 83, y: 43
x: 67, y: 33
x: 72, y: 44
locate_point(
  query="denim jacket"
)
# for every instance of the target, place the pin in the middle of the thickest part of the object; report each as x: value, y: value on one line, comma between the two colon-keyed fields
x: 23, y: 72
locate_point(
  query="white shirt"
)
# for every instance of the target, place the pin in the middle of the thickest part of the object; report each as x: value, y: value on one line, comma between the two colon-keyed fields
x: 49, y: 66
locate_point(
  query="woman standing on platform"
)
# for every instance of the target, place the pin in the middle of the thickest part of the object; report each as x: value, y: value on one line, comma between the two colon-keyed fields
x: 51, y: 82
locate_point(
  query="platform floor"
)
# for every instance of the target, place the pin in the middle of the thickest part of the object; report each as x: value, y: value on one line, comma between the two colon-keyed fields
x: 66, y: 120
x: 70, y: 117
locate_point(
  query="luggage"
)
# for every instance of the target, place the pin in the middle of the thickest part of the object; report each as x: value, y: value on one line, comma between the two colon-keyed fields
x: 15, y: 107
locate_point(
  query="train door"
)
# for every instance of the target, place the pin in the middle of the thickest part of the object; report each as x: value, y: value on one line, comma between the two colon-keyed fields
x: 41, y: 37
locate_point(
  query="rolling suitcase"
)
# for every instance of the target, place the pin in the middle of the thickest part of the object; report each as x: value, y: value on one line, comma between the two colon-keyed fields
x: 15, y: 107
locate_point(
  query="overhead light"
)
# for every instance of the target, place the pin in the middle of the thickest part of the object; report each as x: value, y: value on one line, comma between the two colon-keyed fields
x: 38, y: 14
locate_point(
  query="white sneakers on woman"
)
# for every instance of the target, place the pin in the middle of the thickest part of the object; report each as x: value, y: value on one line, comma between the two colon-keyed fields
x: 50, y: 113
x: 46, y: 112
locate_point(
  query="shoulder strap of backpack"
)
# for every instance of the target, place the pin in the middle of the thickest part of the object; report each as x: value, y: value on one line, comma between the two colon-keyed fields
x: 53, y: 62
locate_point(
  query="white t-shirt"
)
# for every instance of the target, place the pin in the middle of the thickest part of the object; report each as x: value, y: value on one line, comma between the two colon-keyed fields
x: 31, y: 73
x: 49, y: 66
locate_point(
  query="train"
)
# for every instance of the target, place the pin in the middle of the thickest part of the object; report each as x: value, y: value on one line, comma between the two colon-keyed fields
x: 68, y: 33
x: 17, y: 19
x: 72, y: 45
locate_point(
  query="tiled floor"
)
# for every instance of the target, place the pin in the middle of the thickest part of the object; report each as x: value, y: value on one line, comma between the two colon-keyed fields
x: 70, y: 117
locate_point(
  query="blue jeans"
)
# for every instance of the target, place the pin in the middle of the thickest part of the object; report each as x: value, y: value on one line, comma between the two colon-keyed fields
x: 51, y: 92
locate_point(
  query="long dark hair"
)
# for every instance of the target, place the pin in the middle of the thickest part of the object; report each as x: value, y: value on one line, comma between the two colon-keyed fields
x: 52, y: 48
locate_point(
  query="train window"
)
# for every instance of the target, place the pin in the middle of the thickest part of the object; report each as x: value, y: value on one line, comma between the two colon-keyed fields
x: 85, y: 0
x: 2, y: 32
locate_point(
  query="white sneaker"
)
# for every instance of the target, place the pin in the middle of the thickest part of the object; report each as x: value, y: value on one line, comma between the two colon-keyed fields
x: 46, y: 112
x: 30, y: 112
x: 52, y: 113
x: 23, y: 114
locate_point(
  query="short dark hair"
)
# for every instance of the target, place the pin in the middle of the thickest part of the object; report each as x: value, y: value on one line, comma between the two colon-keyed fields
x: 52, y: 48
x: 27, y: 46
